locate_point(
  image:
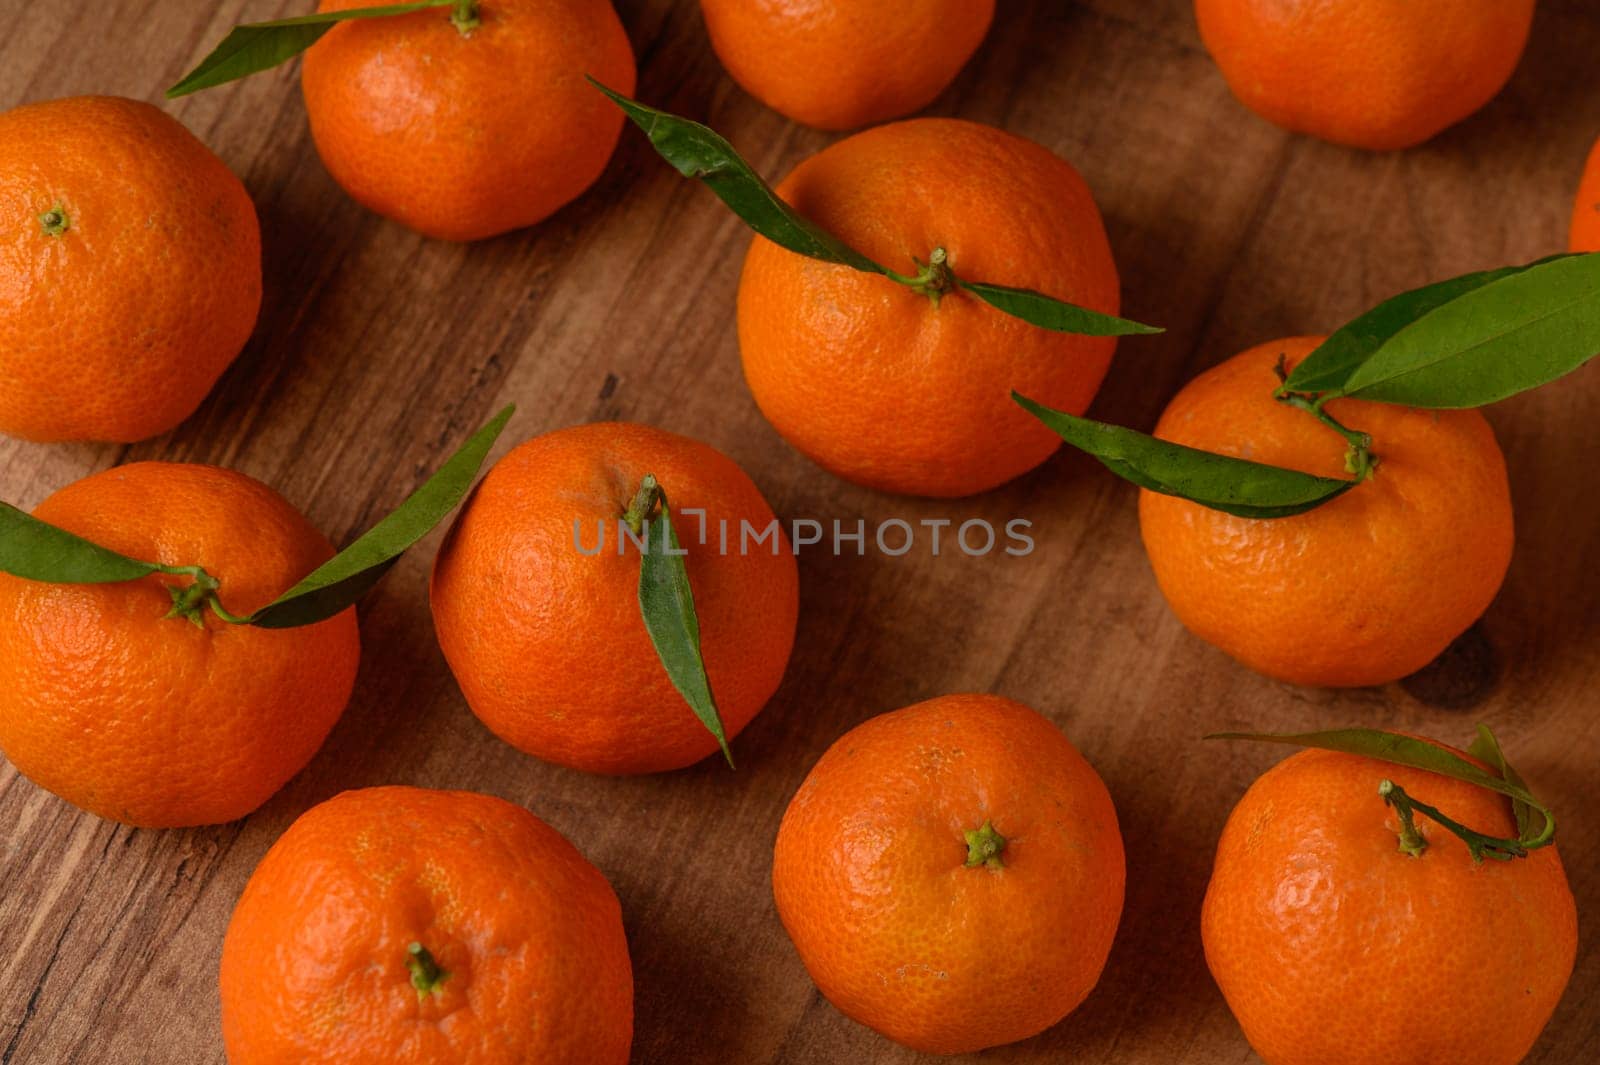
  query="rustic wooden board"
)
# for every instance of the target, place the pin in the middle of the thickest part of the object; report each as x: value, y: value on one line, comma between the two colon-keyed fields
x: 378, y: 351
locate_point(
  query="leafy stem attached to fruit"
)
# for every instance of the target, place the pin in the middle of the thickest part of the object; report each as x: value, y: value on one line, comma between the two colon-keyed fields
x: 1358, y: 457
x: 697, y: 151
x: 1480, y: 845
x: 190, y: 600
x: 1399, y: 749
x: 933, y: 278
x: 38, y: 551
x: 666, y: 605
x: 257, y: 46
x: 644, y: 503
x: 465, y: 16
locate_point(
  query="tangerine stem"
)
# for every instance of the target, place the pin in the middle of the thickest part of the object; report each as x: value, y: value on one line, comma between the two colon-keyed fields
x: 426, y: 975
x: 644, y: 503
x: 933, y: 278
x: 1358, y: 457
x: 1412, y: 843
x: 465, y: 16
x: 984, y: 847
x: 189, y: 600
x: 55, y: 221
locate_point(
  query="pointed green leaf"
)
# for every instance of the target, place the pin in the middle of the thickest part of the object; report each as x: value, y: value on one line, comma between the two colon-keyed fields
x: 1417, y: 754
x: 1512, y: 333
x: 1234, y: 486
x: 1486, y: 748
x: 39, y: 551
x: 1328, y: 367
x: 697, y: 151
x: 347, y: 576
x: 1054, y: 314
x: 258, y: 46
x: 666, y: 603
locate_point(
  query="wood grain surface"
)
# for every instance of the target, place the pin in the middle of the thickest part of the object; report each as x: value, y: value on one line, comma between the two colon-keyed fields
x: 378, y: 351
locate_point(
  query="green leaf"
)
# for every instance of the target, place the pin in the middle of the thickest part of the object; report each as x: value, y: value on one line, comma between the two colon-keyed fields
x: 697, y: 151
x: 1486, y: 748
x: 1054, y: 314
x: 1417, y: 754
x: 666, y: 603
x: 1510, y: 334
x: 1328, y: 367
x: 39, y: 551
x: 347, y: 576
x: 258, y: 46
x: 1234, y: 486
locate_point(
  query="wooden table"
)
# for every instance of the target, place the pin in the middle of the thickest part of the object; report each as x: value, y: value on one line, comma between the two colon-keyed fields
x: 377, y: 351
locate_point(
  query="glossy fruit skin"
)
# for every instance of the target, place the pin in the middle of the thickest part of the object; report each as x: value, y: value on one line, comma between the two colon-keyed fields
x: 151, y: 720
x: 1376, y: 74
x: 547, y: 642
x: 873, y: 381
x: 871, y: 883
x: 1334, y: 948
x: 844, y: 64
x: 1585, y: 233
x: 463, y: 137
x: 1365, y: 589
x: 116, y: 327
x: 529, y: 932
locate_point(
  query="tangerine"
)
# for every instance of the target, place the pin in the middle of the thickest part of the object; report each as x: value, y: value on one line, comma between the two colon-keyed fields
x: 127, y: 705
x: 1365, y: 589
x: 952, y: 873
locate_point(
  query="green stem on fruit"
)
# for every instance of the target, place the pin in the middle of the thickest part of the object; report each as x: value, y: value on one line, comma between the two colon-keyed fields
x: 464, y: 16
x: 1358, y: 457
x: 55, y: 221
x: 1480, y: 846
x: 984, y: 847
x: 933, y: 278
x: 644, y: 503
x: 189, y: 601
x: 426, y: 975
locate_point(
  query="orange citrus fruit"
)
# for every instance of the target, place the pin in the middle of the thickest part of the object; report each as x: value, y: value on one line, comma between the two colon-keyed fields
x: 843, y: 64
x: 951, y: 874
x: 468, y: 131
x: 904, y: 391
x: 407, y: 925
x: 130, y: 271
x: 152, y: 719
x: 1333, y: 947
x: 539, y: 617
x: 1379, y: 74
x: 1585, y: 234
x: 1365, y: 589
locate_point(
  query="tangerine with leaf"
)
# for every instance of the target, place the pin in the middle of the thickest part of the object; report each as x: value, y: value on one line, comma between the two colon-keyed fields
x: 882, y: 60
x: 461, y: 119
x: 1335, y: 510
x: 902, y: 383
x: 134, y: 700
x: 400, y: 924
x: 1365, y: 589
x: 951, y: 874
x: 1366, y: 912
x: 130, y: 272
x: 580, y: 635
x: 176, y: 640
